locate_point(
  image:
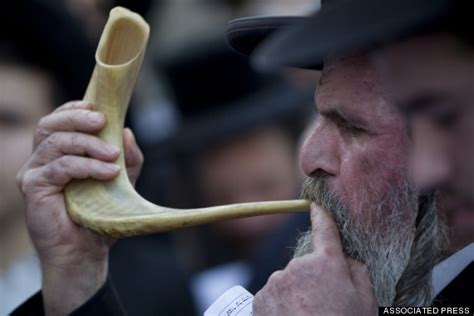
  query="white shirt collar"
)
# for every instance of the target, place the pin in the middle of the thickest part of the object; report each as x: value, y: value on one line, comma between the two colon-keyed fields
x: 448, y: 269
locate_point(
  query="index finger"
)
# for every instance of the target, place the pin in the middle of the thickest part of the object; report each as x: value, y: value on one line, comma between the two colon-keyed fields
x: 71, y: 105
x: 325, y: 234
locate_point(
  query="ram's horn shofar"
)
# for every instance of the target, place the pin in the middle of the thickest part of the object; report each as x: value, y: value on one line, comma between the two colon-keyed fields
x: 114, y: 207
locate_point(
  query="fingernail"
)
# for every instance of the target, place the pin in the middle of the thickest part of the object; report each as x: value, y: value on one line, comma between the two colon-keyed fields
x: 112, y: 149
x: 132, y: 136
x: 112, y: 167
x: 95, y: 117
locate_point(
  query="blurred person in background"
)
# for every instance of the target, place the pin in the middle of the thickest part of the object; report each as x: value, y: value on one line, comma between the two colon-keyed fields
x: 428, y: 65
x: 237, y: 143
x: 26, y: 95
x: 430, y: 70
x: 35, y: 73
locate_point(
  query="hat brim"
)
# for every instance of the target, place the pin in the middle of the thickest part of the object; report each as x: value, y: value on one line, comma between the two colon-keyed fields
x: 340, y: 29
x: 245, y: 34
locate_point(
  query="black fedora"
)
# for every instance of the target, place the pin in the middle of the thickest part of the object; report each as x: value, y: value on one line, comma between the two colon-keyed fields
x: 338, y: 27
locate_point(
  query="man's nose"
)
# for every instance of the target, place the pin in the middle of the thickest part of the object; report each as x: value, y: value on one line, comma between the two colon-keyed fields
x: 320, y: 152
x: 430, y: 157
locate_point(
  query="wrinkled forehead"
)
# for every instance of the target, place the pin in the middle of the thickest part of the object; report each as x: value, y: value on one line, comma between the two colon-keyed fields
x: 351, y: 84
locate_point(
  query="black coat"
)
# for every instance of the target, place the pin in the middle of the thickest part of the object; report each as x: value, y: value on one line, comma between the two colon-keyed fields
x: 146, y: 277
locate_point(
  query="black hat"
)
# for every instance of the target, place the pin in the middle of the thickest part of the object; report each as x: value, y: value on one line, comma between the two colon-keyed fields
x: 339, y: 26
x: 45, y: 34
x: 219, y: 96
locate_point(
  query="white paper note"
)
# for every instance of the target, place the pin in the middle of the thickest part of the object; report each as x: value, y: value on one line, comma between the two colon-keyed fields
x: 235, y: 301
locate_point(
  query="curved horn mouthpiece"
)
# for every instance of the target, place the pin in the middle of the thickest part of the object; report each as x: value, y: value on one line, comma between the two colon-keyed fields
x: 114, y: 207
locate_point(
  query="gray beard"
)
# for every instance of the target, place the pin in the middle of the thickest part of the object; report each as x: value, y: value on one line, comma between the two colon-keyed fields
x: 380, y: 237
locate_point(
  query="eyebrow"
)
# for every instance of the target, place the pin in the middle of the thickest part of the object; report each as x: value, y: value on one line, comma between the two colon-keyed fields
x: 342, y: 118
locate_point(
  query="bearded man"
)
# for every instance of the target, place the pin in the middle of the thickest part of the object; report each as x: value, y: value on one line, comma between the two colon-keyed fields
x: 357, y: 162
x: 356, y: 159
x: 429, y: 75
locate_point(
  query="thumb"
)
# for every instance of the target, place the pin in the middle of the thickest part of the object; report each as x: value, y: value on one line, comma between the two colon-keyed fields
x: 133, y: 155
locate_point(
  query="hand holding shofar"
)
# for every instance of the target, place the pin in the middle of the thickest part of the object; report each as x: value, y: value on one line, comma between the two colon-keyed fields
x: 114, y: 207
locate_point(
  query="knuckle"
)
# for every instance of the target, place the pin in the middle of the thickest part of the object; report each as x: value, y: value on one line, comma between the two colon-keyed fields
x: 63, y: 164
x: 69, y: 118
x: 53, y: 139
x: 294, y: 266
x: 326, y: 252
x: 49, y: 143
x: 328, y: 265
x: 43, y: 121
x: 41, y: 130
x: 70, y: 105
x: 50, y: 172
x: 298, y: 270
x: 275, y: 277
x: 65, y: 106
x: 25, y: 181
x: 76, y: 140
x: 59, y: 169
x: 19, y: 179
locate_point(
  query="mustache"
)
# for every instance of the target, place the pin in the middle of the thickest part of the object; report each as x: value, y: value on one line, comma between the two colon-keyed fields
x: 377, y: 233
x: 315, y: 189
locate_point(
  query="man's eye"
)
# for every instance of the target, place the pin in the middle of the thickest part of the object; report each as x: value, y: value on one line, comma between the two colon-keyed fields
x: 352, y: 130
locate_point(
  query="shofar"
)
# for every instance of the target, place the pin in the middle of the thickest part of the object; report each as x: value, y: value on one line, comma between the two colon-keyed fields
x: 114, y: 207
